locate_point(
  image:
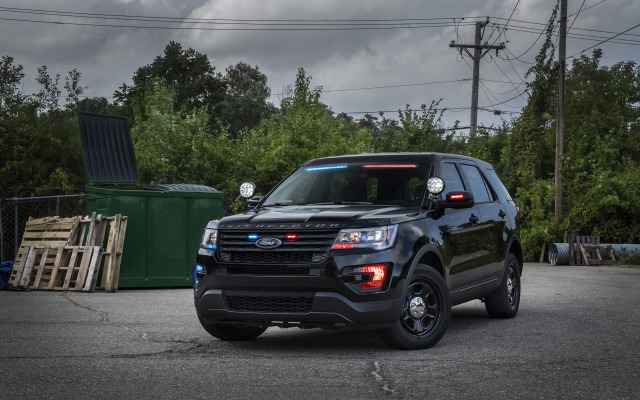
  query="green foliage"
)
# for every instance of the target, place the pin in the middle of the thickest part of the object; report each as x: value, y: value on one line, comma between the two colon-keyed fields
x: 168, y: 144
x: 305, y: 130
x: 188, y: 73
x: 246, y: 100
x: 415, y: 131
x: 39, y: 141
x: 631, y: 258
x: 606, y: 204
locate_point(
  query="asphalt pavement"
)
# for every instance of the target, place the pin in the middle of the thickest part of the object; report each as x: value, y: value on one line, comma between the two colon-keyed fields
x: 577, y: 336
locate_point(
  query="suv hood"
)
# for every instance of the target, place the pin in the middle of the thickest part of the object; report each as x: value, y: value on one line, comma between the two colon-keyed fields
x: 317, y: 216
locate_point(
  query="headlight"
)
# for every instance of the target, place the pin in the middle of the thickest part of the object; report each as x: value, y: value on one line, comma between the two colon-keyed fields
x: 379, y: 238
x: 210, y: 236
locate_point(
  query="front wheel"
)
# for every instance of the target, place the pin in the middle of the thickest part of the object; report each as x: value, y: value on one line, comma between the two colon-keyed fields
x: 505, y: 301
x: 426, y: 312
x: 233, y: 333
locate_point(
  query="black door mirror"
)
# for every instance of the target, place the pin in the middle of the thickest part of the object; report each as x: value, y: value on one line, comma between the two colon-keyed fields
x: 457, y: 200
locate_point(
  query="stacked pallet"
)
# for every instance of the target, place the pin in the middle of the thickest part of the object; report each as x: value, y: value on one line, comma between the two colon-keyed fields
x: 69, y: 253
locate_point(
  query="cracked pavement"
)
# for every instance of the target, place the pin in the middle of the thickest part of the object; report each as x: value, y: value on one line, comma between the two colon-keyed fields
x: 576, y: 336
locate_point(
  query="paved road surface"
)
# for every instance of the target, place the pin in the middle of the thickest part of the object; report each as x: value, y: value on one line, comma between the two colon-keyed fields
x: 577, y: 335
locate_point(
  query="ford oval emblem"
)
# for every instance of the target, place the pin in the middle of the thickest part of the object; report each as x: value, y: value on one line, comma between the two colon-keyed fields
x: 268, y: 243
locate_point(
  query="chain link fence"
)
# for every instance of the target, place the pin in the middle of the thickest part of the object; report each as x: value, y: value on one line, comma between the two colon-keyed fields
x: 15, y: 212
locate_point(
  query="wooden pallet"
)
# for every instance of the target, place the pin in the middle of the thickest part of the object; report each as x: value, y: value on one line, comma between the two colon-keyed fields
x: 65, y: 268
x: 592, y: 254
x: 113, y: 253
x: 576, y: 256
x: 48, y: 231
x: 68, y: 253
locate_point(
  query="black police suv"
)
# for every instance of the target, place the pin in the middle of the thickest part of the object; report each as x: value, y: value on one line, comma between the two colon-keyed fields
x: 383, y: 241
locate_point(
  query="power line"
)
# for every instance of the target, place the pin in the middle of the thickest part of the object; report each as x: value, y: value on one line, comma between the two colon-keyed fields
x: 604, y: 41
x: 576, y: 14
x: 239, y: 24
x: 546, y: 26
x: 275, y: 28
x: 591, y: 6
x: 396, y: 86
x: 504, y: 29
x: 201, y: 20
x: 400, y: 85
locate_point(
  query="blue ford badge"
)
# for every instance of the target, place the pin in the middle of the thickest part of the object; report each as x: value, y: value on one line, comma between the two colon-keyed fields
x: 268, y: 243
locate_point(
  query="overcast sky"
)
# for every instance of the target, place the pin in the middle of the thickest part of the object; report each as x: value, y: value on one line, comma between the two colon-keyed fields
x: 404, y: 59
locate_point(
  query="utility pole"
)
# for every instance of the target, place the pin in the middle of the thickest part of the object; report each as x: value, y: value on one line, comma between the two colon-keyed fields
x: 477, y: 55
x: 562, y: 54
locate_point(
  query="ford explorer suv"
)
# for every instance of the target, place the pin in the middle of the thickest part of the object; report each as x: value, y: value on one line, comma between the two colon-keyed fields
x: 388, y: 242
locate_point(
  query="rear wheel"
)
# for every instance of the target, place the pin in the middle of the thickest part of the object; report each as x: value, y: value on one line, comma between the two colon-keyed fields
x: 236, y: 332
x: 425, y: 313
x: 505, y: 301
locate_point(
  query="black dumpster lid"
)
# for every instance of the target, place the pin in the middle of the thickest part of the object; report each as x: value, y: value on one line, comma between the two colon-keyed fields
x: 107, y: 149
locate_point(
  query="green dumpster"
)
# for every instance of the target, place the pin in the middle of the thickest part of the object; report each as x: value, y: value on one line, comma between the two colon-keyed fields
x: 164, y: 229
x: 165, y: 222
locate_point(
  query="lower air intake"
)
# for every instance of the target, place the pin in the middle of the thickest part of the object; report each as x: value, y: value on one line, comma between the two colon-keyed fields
x: 267, y: 302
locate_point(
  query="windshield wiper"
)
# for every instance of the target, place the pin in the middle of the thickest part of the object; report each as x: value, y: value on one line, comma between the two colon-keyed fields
x: 279, y: 204
x: 342, y: 202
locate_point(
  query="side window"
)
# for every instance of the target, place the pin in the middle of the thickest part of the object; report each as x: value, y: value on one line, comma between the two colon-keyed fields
x: 452, y: 180
x: 479, y: 187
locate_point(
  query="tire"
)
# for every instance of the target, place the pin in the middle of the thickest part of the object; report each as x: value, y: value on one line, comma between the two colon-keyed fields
x: 233, y: 333
x: 425, y: 313
x: 505, y: 301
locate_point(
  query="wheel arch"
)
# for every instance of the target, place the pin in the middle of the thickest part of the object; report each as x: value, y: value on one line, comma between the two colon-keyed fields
x: 430, y: 256
x: 515, y: 248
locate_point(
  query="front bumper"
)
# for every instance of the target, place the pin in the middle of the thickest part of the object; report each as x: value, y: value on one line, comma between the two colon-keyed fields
x: 320, y: 308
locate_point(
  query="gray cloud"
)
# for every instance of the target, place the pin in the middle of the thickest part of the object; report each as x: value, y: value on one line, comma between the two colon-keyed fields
x: 108, y: 56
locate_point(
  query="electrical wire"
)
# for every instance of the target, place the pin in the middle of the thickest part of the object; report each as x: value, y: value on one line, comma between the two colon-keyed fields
x: 576, y: 14
x: 504, y: 29
x: 604, y: 41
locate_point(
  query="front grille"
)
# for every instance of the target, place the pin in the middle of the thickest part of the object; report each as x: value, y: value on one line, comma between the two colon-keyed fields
x: 308, y: 247
x: 269, y: 302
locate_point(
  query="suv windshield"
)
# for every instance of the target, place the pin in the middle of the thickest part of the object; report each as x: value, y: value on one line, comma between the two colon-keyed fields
x: 397, y: 183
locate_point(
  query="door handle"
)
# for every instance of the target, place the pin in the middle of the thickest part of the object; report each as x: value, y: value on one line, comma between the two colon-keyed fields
x: 502, y: 214
x: 473, y: 219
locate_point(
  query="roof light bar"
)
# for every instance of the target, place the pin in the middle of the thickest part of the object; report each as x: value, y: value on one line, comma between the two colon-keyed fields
x: 390, y: 166
x: 325, y: 167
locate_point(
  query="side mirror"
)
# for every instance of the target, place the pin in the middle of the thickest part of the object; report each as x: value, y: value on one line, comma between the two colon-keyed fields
x: 457, y: 200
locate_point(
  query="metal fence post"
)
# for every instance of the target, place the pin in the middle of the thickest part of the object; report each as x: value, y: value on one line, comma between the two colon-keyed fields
x: 16, y: 224
x: 1, y: 233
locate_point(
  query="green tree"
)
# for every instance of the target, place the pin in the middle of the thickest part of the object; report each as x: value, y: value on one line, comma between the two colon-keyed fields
x: 416, y: 131
x: 34, y: 133
x: 305, y: 130
x: 169, y: 144
x: 602, y: 150
x: 188, y: 73
x: 246, y: 101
